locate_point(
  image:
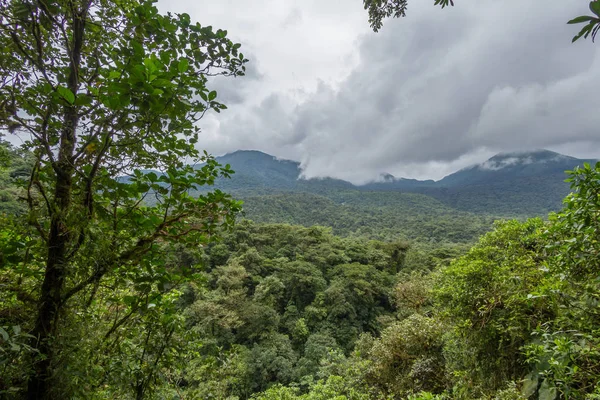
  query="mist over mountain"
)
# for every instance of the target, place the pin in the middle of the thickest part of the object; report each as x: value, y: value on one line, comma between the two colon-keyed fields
x: 260, y: 173
x: 514, y: 166
x: 517, y: 183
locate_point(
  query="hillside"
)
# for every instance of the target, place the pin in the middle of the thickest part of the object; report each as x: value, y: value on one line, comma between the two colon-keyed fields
x: 523, y: 183
x: 508, y: 184
x: 376, y: 215
x: 260, y: 173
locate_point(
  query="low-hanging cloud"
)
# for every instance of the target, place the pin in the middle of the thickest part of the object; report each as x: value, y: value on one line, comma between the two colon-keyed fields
x: 435, y: 91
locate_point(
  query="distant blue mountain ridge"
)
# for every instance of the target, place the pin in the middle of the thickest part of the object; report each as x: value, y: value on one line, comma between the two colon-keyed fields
x: 523, y: 183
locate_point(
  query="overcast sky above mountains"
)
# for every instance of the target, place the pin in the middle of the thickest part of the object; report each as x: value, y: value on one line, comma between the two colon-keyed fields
x: 427, y: 95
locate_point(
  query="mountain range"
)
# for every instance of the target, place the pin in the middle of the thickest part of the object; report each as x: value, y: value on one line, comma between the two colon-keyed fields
x: 528, y: 183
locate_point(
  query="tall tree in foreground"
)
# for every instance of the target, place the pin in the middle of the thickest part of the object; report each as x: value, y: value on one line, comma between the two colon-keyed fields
x: 104, y: 89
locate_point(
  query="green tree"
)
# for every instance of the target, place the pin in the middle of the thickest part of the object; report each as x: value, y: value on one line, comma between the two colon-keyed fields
x: 272, y: 360
x: 302, y: 281
x: 316, y: 348
x: 486, y: 296
x: 106, y: 90
x: 15, y: 166
x: 408, y: 356
x: 566, y: 353
x: 380, y: 9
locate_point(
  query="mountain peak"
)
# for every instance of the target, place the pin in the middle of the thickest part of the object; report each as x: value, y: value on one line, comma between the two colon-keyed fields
x: 254, y: 156
x: 522, y: 158
x: 386, y: 177
x: 250, y: 153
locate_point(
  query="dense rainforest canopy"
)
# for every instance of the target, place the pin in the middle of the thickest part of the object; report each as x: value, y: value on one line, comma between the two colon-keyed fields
x: 275, y: 311
x: 116, y: 282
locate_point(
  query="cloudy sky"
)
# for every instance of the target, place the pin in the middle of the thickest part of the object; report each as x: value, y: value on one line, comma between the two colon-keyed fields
x: 427, y: 95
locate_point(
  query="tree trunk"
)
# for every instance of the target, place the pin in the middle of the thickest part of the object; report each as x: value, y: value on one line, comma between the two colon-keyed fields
x: 51, y: 302
x: 50, y: 305
x: 59, y: 238
x: 139, y: 392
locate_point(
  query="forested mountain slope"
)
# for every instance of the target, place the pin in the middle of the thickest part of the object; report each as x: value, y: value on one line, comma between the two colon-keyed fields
x: 509, y: 184
x: 376, y: 215
x: 523, y: 183
x: 260, y: 173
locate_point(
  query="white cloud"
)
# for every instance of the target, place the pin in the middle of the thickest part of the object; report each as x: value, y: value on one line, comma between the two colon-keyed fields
x: 429, y: 94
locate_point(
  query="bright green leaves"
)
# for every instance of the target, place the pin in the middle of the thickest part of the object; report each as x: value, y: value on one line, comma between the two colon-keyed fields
x: 485, y: 296
x: 66, y: 94
x: 565, y: 352
x: 156, y: 69
x: 575, y: 232
x: 183, y: 65
x: 593, y: 22
x: 128, y: 98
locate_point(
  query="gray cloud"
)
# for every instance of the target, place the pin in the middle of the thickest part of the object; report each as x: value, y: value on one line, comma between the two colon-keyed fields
x: 293, y: 18
x: 236, y: 91
x: 473, y: 82
x: 428, y: 95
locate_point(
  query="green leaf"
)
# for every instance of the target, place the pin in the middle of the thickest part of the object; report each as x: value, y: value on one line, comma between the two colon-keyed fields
x: 583, y: 18
x: 4, y: 334
x: 183, y: 65
x: 595, y: 7
x: 138, y: 48
x: 83, y: 100
x: 212, y: 95
x: 66, y: 94
x: 584, y: 32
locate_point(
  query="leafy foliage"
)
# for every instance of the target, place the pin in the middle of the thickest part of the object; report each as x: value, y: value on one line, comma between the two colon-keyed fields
x: 486, y: 296
x: 592, y: 22
x: 117, y: 281
x: 407, y: 358
x: 295, y: 312
x: 104, y: 90
x: 566, y: 353
x: 15, y: 167
x: 380, y: 9
x: 285, y: 297
x: 381, y: 216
